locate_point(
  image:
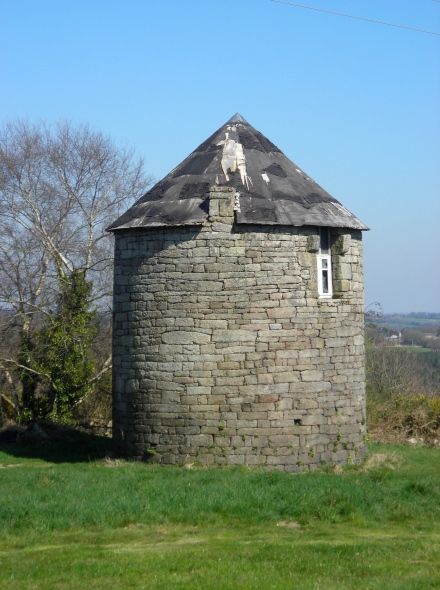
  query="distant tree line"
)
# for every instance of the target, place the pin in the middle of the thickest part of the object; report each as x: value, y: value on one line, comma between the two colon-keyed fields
x: 426, y: 337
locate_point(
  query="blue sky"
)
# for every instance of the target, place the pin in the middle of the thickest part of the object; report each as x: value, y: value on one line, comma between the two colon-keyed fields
x: 354, y: 104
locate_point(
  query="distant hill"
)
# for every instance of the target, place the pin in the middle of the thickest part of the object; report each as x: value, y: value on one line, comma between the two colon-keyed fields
x: 400, y: 321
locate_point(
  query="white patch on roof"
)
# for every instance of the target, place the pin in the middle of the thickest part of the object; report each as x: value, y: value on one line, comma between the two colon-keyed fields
x: 265, y: 177
x: 233, y: 158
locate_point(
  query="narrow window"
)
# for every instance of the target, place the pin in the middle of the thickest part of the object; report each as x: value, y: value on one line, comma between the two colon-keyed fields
x: 325, y: 288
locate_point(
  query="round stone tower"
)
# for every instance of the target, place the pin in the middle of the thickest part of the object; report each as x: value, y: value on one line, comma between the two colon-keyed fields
x: 238, y: 314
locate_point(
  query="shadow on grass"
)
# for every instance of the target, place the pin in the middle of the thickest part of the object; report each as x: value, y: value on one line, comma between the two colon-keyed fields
x: 56, y: 444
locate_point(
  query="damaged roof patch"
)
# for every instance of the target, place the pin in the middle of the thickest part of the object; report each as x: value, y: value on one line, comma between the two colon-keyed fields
x: 194, y: 190
x: 233, y: 158
x: 275, y: 170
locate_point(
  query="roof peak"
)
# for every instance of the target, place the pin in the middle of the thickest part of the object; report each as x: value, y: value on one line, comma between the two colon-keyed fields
x: 237, y: 118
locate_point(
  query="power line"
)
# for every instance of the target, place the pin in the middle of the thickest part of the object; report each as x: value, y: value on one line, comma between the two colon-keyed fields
x: 370, y: 20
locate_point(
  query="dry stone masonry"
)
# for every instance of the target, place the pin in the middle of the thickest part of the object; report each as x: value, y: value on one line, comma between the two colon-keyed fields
x: 224, y: 351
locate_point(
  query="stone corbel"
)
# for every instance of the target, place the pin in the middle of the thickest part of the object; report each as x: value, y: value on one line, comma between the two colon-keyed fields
x: 341, y: 245
x: 313, y: 243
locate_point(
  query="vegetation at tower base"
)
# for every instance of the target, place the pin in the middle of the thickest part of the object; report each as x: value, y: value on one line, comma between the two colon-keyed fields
x: 60, y: 185
x: 64, y: 368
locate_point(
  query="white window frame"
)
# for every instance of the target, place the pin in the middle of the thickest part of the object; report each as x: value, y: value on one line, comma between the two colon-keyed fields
x: 324, y: 266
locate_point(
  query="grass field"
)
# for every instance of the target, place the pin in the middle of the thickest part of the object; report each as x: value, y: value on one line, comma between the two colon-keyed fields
x: 70, y: 518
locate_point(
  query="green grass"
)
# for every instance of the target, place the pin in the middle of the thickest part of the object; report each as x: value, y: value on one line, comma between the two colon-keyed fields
x: 106, y: 524
x: 263, y: 556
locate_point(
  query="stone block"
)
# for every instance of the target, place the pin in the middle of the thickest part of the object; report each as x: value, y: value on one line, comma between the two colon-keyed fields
x: 214, y: 207
x: 198, y: 390
x: 199, y: 440
x: 312, y: 375
x: 268, y: 398
x: 233, y: 336
x: 305, y: 404
x: 313, y: 419
x: 185, y: 337
x: 284, y: 404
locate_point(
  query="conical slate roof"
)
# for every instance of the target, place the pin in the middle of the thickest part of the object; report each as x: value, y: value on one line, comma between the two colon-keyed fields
x: 270, y: 188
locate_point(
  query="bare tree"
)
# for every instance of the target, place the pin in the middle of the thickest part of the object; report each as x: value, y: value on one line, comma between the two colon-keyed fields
x: 60, y: 186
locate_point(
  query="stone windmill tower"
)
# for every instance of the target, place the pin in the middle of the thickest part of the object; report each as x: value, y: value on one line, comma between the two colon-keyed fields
x: 238, y: 314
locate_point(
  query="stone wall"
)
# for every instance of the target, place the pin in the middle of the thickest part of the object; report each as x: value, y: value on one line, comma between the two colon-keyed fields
x: 223, y: 352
